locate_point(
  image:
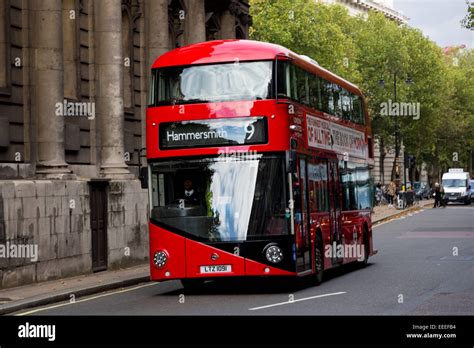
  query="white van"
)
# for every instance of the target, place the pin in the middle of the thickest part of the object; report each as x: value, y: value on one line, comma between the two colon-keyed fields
x: 456, y: 184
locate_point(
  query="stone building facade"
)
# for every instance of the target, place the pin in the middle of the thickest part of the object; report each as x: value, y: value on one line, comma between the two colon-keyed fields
x: 362, y: 7
x: 73, y: 93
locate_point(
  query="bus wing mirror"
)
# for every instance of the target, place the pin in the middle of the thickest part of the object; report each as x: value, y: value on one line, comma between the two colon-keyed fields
x: 143, y: 177
x: 291, y: 161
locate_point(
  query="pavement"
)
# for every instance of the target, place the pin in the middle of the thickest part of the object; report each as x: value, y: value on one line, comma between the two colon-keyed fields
x: 71, y: 289
x: 384, y: 212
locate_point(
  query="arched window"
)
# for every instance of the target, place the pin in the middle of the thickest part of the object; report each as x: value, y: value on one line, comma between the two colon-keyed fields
x: 212, y: 26
x: 239, y: 33
x: 177, y: 20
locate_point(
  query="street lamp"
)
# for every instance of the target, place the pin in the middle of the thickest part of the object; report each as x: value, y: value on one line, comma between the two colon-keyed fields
x: 408, y: 81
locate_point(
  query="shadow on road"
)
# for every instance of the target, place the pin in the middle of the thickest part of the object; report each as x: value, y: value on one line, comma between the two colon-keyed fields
x: 260, y: 285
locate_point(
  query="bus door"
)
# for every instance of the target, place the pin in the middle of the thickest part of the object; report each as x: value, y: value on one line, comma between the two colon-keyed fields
x: 300, y: 197
x: 335, y: 207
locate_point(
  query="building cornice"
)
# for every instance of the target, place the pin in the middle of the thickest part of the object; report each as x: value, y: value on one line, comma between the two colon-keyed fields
x: 387, y: 12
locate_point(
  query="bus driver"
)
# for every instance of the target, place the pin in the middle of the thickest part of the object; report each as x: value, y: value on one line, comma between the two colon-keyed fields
x: 189, y: 194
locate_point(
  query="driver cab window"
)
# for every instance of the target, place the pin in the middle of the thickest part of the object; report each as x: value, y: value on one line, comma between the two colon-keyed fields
x: 221, y: 198
x: 180, y: 187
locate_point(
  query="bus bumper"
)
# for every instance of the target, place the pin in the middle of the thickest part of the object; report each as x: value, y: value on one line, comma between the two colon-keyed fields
x: 175, y: 257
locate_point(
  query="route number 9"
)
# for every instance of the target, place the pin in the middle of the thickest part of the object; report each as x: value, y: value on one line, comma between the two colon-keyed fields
x: 250, y: 130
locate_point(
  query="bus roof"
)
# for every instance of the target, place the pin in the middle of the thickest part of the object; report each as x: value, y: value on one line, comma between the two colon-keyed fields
x: 242, y: 50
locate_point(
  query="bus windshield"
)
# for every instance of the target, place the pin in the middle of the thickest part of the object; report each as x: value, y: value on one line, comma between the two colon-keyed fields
x: 222, y: 198
x: 211, y: 83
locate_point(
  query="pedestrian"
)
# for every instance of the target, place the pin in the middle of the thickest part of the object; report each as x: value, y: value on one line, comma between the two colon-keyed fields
x: 441, y: 196
x: 378, y: 194
x: 391, y: 191
x: 437, y: 195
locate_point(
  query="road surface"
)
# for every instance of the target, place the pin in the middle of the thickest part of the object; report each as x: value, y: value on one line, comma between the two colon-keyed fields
x: 425, y: 266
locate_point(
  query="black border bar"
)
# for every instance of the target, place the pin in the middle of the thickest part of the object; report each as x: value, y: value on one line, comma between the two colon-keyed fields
x: 242, y: 330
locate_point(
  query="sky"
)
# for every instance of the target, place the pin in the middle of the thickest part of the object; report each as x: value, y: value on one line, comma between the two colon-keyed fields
x: 438, y: 19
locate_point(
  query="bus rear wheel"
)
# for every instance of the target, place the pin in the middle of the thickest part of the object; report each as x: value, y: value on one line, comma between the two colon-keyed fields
x: 365, y: 238
x: 318, y: 260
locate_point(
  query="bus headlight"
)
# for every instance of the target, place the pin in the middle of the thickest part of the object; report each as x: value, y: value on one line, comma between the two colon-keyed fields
x: 160, y: 258
x: 273, y: 253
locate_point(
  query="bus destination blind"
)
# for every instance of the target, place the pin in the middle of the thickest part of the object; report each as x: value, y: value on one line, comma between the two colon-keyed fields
x: 214, y: 132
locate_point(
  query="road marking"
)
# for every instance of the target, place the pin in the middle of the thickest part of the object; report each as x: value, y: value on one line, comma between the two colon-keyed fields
x: 294, y: 301
x: 446, y: 234
x: 394, y: 218
x: 84, y: 300
x: 381, y: 223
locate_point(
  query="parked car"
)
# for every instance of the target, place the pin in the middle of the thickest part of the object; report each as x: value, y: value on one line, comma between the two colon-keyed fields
x: 472, y: 189
x: 422, y: 190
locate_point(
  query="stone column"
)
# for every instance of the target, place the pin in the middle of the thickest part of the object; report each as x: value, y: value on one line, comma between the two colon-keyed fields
x: 195, y: 21
x: 3, y: 46
x: 70, y: 50
x: 158, y: 30
x: 49, y: 88
x: 109, y: 63
x: 157, y: 42
x: 227, y: 25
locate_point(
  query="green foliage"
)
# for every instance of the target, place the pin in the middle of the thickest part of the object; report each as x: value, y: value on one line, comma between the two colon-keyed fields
x: 468, y: 21
x: 379, y: 49
x: 455, y: 129
x: 381, y: 54
x: 308, y: 28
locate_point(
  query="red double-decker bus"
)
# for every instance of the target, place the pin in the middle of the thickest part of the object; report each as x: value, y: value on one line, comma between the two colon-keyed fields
x: 258, y: 165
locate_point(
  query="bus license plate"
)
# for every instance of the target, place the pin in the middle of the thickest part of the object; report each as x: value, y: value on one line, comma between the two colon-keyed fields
x: 216, y: 269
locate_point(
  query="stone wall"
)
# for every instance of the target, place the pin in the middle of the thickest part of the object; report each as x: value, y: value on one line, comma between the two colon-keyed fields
x: 127, y: 223
x: 388, y: 163
x: 55, y: 217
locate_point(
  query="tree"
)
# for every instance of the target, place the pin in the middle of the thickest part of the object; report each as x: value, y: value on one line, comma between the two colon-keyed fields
x: 454, y: 135
x: 428, y: 71
x: 381, y: 55
x: 309, y: 28
x: 468, y: 21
